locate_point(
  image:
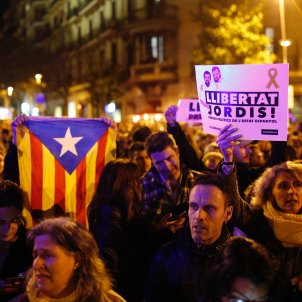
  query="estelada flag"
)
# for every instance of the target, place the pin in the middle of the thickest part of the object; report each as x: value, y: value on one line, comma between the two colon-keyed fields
x: 60, y: 161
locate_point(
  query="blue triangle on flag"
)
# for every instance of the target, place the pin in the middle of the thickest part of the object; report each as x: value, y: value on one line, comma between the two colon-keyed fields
x: 46, y: 130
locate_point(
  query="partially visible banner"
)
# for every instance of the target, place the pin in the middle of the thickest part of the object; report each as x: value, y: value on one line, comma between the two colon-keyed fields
x: 253, y: 98
x: 188, y: 111
x: 60, y: 160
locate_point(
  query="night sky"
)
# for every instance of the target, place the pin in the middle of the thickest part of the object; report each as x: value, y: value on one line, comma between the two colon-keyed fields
x: 3, y: 6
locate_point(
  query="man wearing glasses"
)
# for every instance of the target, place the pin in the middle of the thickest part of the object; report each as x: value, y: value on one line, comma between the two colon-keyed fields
x: 15, y: 258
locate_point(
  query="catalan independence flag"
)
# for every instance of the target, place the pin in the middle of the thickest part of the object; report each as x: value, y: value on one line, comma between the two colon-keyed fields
x: 60, y: 160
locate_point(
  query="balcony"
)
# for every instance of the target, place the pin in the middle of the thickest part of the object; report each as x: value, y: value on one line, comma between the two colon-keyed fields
x: 36, y: 1
x: 52, y: 3
x: 153, y: 12
x: 110, y: 25
x: 153, y: 72
x: 36, y: 16
x: 41, y: 33
x: 72, y: 13
x: 86, y: 5
x: 157, y: 16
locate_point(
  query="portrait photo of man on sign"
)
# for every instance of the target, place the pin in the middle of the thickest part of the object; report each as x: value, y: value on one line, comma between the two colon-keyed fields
x: 253, y: 98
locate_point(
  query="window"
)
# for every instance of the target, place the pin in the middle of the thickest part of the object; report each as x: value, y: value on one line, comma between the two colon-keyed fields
x: 102, y: 20
x: 157, y: 48
x: 270, y: 33
x: 113, y: 54
x: 80, y: 69
x: 102, y: 56
x: 68, y: 8
x: 79, y: 34
x: 113, y: 10
x: 90, y: 29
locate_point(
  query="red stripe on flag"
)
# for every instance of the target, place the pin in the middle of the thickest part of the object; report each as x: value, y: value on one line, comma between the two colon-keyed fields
x: 36, y: 172
x: 81, y: 192
x: 100, y: 157
x: 60, y: 185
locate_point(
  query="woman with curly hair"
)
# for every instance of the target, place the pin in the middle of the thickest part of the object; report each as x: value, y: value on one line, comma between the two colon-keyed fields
x: 274, y: 217
x: 66, y: 266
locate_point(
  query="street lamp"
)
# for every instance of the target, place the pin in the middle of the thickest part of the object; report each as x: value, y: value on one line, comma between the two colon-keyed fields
x: 10, y: 91
x: 284, y: 42
x: 38, y: 78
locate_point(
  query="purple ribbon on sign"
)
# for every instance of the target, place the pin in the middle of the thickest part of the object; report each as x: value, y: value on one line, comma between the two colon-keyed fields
x: 272, y: 73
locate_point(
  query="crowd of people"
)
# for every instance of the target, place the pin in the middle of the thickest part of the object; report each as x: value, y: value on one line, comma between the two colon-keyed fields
x: 179, y: 215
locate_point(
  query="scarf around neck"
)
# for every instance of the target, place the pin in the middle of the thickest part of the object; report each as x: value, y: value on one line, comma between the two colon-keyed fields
x: 34, y: 295
x: 287, y: 227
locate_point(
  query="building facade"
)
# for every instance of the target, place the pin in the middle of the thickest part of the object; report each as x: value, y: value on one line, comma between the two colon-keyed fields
x: 134, y: 53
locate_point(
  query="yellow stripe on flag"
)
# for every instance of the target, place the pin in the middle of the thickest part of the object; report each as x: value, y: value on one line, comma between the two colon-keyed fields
x: 24, y: 160
x: 90, y: 175
x: 70, y: 196
x: 48, y: 179
x: 110, y: 153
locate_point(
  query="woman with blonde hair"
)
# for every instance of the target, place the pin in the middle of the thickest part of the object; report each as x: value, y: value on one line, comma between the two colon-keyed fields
x: 264, y: 187
x: 274, y: 217
x: 66, y: 266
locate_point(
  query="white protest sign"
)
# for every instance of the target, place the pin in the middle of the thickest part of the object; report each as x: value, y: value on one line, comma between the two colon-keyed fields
x: 188, y: 111
x: 253, y: 98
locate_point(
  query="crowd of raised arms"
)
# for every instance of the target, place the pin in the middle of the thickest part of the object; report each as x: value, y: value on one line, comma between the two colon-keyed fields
x: 178, y: 215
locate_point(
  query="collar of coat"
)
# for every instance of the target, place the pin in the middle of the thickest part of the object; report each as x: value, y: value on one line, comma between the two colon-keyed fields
x: 204, y: 250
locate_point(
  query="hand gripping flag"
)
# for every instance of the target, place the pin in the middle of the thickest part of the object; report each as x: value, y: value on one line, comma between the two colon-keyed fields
x: 60, y: 160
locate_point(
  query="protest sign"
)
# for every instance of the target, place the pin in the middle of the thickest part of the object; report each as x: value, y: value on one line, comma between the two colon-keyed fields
x: 253, y: 98
x: 188, y: 111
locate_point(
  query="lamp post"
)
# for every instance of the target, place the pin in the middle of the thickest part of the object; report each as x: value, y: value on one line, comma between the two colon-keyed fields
x: 10, y: 90
x: 39, y: 96
x: 38, y: 78
x: 284, y: 42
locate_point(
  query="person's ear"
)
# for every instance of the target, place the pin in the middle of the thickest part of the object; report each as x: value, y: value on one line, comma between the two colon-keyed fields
x: 76, y: 263
x: 228, y: 213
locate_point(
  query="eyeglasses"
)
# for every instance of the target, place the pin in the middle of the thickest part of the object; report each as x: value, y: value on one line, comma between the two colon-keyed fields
x: 16, y: 220
x: 232, y: 299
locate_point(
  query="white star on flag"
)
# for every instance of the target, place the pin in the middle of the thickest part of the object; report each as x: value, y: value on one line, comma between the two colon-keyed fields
x: 68, y: 143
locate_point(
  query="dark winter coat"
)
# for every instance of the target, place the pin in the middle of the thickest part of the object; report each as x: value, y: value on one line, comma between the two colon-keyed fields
x: 177, y: 269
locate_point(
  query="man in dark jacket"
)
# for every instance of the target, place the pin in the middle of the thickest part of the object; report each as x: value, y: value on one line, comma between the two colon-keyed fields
x: 166, y: 185
x: 178, y: 267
